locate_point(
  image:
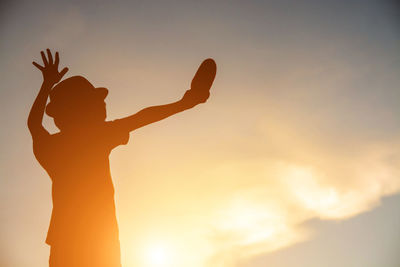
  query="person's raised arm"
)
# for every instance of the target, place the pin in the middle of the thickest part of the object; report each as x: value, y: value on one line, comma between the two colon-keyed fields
x: 51, y: 76
x: 199, y: 93
x: 156, y: 113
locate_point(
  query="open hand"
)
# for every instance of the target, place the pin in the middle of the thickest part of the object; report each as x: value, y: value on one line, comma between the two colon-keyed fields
x: 50, y: 71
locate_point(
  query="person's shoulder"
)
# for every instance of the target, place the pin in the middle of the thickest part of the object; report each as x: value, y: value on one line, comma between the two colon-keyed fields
x: 116, y: 132
x: 104, y: 128
x: 116, y: 124
x: 111, y: 122
x: 105, y: 125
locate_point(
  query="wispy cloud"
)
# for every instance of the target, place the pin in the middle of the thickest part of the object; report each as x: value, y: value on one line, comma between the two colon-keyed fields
x: 281, y: 195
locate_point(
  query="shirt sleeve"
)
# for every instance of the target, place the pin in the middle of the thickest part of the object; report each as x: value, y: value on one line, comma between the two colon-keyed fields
x: 116, y: 134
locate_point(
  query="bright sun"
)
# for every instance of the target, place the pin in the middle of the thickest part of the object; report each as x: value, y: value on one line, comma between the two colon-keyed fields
x: 158, y: 255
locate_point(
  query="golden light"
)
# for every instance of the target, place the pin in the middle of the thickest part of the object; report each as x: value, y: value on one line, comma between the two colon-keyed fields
x: 158, y: 255
x: 247, y: 223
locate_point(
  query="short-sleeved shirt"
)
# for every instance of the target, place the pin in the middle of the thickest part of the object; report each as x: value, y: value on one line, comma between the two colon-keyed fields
x: 82, y: 189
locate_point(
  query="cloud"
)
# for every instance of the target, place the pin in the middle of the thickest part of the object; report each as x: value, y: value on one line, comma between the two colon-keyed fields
x: 282, y: 194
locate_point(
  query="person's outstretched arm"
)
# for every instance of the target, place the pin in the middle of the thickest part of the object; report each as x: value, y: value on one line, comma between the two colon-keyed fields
x: 156, y: 113
x: 199, y: 93
x: 51, y: 76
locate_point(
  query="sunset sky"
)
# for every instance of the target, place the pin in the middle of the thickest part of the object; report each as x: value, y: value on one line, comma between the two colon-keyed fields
x: 293, y: 161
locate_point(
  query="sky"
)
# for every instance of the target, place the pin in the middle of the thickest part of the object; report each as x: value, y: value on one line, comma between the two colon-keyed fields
x: 293, y: 161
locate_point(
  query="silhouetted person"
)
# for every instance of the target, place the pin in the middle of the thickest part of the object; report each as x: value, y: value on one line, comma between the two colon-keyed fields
x: 83, y: 228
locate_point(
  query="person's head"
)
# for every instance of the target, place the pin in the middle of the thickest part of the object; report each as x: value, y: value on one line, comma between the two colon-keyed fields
x: 76, y: 103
